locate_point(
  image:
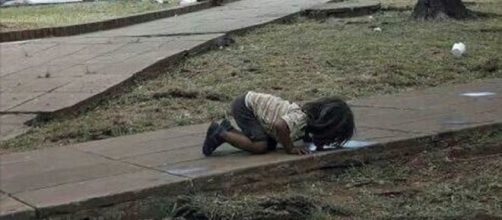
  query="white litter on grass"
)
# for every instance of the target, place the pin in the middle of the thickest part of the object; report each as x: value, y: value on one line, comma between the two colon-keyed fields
x: 477, y: 94
x: 187, y: 2
x: 377, y: 29
x: 455, y: 122
x: 458, y: 49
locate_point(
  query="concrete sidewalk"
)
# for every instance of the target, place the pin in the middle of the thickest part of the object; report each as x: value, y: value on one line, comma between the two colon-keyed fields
x: 117, y: 177
x: 53, y: 75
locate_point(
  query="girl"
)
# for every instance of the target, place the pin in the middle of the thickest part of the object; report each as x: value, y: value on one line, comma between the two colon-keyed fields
x: 266, y: 120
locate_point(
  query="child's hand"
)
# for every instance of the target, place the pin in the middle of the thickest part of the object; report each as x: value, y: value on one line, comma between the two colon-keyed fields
x: 283, y: 135
x: 299, y: 151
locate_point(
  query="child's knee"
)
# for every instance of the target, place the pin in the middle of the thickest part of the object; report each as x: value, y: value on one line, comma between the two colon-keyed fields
x: 260, y: 148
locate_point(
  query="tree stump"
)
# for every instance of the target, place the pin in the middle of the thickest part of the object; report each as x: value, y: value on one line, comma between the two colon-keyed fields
x: 432, y: 9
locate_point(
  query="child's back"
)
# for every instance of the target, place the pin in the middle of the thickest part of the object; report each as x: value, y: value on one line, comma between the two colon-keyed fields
x: 268, y: 109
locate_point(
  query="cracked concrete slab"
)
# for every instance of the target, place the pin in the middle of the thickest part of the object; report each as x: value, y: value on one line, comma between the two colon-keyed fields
x: 51, y: 167
x: 142, y: 146
x: 12, y: 125
x: 84, y: 70
x: 229, y: 17
x: 11, y: 208
x: 102, y: 191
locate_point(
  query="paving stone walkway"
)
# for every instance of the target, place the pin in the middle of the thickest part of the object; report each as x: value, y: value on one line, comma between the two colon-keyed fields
x: 89, y: 179
x: 51, y: 75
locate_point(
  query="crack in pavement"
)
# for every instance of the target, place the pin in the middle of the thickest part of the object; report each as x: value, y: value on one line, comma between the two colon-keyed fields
x: 8, y: 111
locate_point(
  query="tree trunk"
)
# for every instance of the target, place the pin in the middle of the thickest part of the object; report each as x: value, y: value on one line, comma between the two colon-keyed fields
x: 431, y: 9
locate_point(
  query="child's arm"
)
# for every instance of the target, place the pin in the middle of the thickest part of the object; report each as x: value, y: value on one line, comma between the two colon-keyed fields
x: 283, y: 135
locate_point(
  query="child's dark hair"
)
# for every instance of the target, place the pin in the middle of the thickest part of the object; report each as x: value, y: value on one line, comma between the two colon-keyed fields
x: 330, y: 114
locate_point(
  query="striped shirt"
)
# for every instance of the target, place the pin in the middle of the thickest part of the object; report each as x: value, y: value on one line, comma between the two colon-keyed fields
x: 268, y: 109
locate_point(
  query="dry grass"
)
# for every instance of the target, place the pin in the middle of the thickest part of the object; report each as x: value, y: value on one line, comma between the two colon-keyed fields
x: 301, y: 60
x: 27, y: 17
x: 461, y: 180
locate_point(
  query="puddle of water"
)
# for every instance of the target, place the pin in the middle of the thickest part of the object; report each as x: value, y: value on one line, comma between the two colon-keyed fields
x: 455, y: 121
x: 477, y: 94
x: 357, y: 144
x: 348, y: 144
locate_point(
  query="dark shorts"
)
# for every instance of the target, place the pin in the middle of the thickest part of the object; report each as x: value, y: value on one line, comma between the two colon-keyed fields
x: 249, y: 124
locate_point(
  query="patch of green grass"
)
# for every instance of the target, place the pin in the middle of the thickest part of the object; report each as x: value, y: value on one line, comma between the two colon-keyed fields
x: 299, y: 61
x: 27, y: 17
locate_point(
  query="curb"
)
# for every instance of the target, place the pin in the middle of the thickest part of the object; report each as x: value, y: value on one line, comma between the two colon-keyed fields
x: 148, y: 203
x: 342, y: 9
x: 103, y: 25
